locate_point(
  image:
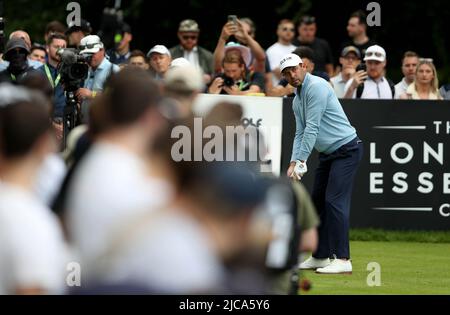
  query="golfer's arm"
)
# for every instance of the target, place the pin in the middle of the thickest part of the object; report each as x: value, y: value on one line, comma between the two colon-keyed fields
x: 315, y: 109
x: 297, y: 139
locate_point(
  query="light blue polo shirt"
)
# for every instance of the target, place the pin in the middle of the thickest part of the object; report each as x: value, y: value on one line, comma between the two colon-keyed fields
x: 96, y: 81
x: 321, y: 122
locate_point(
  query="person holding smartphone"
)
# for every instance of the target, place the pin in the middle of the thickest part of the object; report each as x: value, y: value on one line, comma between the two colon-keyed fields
x: 350, y: 59
x: 371, y: 83
x: 239, y: 30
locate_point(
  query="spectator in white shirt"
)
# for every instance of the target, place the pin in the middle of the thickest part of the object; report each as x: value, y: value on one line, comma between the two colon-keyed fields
x: 350, y: 59
x: 371, y: 84
x: 112, y: 182
x: 276, y: 52
x: 32, y: 248
x: 409, y: 66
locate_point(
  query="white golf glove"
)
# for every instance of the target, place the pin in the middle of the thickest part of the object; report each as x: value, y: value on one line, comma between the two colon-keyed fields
x: 300, y: 170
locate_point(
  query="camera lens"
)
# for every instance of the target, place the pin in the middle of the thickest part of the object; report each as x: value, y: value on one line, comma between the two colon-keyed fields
x: 227, y: 81
x: 78, y: 71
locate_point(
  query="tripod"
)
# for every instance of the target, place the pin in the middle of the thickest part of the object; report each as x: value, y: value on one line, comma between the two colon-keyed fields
x: 70, y: 114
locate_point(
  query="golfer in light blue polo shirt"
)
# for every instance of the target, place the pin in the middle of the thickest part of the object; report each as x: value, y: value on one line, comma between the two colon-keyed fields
x: 321, y: 123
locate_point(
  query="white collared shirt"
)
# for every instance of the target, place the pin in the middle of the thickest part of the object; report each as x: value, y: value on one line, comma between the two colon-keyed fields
x: 400, y: 88
x: 192, y: 57
x: 339, y: 85
x: 379, y: 89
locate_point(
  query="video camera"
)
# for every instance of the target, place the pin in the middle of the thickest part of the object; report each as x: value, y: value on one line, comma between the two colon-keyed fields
x: 73, y: 68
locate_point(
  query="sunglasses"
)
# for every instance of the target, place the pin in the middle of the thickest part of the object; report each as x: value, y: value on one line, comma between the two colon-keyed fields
x: 285, y: 29
x: 192, y: 37
x: 429, y: 60
x: 377, y: 54
x: 89, y: 46
x: 308, y: 20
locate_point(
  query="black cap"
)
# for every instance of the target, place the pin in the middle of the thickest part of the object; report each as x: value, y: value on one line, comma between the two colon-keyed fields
x: 235, y: 183
x: 14, y: 43
x: 84, y: 26
x: 125, y: 28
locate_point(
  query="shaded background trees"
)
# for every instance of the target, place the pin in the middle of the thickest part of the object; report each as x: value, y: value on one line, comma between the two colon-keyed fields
x: 405, y: 25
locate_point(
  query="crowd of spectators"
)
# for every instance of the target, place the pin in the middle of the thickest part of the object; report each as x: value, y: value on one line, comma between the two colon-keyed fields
x: 110, y: 195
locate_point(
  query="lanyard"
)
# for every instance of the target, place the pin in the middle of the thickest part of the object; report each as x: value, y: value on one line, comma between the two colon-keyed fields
x: 242, y: 85
x: 50, y: 78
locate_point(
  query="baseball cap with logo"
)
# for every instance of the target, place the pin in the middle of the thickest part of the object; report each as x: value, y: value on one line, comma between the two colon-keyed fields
x: 290, y: 60
x: 351, y: 49
x: 90, y: 44
x: 376, y: 53
x: 188, y: 26
x: 159, y: 49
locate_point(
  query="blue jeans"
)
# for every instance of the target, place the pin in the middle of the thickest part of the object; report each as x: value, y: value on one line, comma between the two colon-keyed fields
x: 332, y: 197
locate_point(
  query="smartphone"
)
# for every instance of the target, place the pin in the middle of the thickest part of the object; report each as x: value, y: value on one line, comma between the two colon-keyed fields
x: 361, y: 66
x: 232, y: 18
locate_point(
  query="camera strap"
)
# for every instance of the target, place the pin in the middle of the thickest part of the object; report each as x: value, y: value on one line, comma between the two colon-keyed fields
x: 50, y: 78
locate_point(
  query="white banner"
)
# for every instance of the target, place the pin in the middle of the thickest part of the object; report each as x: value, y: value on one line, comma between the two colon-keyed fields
x: 266, y: 113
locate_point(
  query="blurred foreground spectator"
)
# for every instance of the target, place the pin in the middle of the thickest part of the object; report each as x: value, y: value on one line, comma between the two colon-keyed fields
x: 32, y: 250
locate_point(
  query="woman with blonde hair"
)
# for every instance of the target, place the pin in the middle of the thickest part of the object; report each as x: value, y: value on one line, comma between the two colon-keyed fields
x: 426, y: 83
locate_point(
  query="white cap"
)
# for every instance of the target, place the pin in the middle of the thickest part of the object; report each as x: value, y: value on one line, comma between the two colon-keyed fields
x: 376, y: 53
x: 290, y: 60
x: 184, y: 78
x: 179, y: 62
x: 245, y: 52
x: 90, y: 44
x: 160, y: 49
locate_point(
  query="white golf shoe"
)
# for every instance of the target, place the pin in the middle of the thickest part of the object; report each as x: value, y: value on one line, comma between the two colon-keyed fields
x: 314, y: 263
x: 337, y: 266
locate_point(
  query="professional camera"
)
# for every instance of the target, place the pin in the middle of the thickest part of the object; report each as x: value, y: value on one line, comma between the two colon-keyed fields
x: 73, y: 68
x: 227, y: 81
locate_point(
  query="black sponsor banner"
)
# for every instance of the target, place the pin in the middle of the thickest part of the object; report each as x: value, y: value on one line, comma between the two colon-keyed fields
x: 404, y: 179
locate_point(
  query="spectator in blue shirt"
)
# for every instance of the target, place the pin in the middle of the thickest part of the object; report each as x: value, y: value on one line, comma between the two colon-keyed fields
x: 51, y: 73
x: 100, y: 69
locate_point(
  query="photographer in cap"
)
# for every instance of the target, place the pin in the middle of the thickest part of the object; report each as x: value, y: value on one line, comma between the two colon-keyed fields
x: 16, y: 53
x: 100, y: 69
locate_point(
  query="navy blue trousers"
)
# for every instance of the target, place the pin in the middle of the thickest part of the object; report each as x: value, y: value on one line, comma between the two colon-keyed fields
x: 331, y: 195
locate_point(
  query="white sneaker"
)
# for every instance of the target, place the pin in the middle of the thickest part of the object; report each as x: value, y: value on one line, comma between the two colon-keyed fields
x: 314, y: 263
x: 337, y: 266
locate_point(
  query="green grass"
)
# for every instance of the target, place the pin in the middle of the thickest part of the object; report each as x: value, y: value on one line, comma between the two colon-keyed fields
x: 377, y: 235
x: 406, y: 268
